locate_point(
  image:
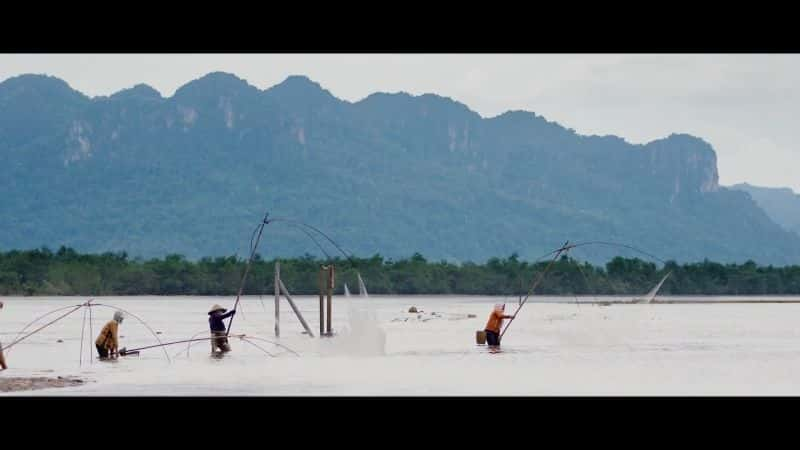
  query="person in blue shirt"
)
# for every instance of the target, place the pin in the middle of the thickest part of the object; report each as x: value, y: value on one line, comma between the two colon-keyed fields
x: 218, y: 329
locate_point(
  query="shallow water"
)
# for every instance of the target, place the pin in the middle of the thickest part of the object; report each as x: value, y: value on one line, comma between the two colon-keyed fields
x: 554, y: 347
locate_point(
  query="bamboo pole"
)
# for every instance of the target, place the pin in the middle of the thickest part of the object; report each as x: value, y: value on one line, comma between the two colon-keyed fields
x: 294, y: 307
x: 277, y: 298
x: 247, y: 270
x: 330, y: 298
x: 559, y: 252
x: 135, y: 350
x: 321, y: 301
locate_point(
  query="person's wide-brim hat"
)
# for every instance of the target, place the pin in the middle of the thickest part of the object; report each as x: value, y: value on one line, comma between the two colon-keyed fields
x: 216, y: 308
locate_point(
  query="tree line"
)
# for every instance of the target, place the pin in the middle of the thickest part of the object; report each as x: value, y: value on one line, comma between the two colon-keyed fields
x: 67, y: 272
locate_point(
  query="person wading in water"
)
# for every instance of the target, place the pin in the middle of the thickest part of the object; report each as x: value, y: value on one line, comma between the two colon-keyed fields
x: 494, y: 325
x: 107, y: 342
x: 218, y: 329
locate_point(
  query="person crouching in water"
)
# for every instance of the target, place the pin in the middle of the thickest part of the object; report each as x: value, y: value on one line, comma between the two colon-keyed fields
x: 494, y: 325
x: 107, y: 342
x: 220, y: 338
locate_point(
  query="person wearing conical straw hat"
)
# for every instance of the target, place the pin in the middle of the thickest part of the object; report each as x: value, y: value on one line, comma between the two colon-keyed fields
x: 494, y: 325
x: 218, y: 329
x: 107, y: 342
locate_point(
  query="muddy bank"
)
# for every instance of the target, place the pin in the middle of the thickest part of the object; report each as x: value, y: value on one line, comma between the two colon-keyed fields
x: 16, y: 384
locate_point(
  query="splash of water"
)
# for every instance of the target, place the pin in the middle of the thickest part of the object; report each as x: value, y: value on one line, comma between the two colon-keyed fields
x: 652, y: 294
x: 362, y: 288
x: 363, y: 335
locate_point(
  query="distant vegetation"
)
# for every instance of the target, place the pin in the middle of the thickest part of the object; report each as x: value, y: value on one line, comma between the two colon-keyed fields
x: 66, y: 272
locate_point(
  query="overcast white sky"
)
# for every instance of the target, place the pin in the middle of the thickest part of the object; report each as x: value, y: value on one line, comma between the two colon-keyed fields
x: 746, y: 106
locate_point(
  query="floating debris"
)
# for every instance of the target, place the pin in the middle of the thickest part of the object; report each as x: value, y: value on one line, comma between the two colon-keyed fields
x: 60, y: 340
x: 15, y: 384
x: 421, y: 316
x: 413, y: 309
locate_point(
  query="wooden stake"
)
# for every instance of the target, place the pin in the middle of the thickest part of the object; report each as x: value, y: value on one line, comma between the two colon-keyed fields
x: 322, y: 301
x: 294, y: 307
x: 330, y: 297
x: 277, y: 298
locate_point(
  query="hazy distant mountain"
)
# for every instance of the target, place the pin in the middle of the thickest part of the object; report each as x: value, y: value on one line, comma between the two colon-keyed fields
x: 781, y: 204
x: 391, y: 174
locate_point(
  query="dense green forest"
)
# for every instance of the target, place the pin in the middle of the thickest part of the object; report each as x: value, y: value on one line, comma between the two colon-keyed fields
x: 66, y: 272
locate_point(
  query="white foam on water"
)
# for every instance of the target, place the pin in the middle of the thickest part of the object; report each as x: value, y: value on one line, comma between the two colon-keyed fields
x: 362, y: 336
x: 362, y: 288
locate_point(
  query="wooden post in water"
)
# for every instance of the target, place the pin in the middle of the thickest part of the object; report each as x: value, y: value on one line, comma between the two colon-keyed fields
x: 295, y: 308
x: 322, y: 300
x: 277, y: 298
x: 330, y: 297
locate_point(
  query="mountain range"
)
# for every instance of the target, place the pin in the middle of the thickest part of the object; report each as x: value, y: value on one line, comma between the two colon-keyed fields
x: 391, y: 174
